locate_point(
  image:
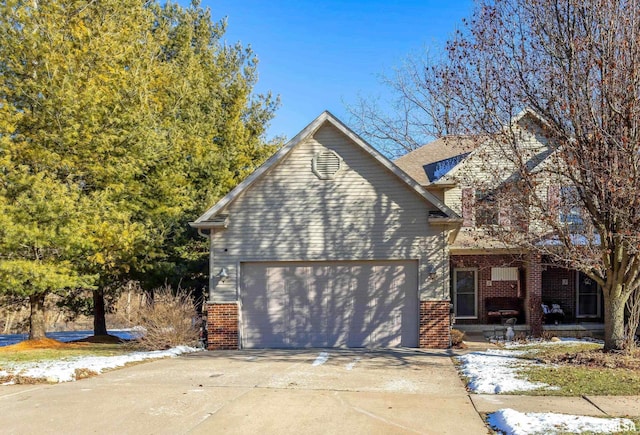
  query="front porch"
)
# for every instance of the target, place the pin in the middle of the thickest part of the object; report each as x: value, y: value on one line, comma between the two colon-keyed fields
x: 487, y: 289
x: 577, y: 330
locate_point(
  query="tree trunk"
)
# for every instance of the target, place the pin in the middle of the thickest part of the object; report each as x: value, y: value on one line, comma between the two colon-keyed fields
x: 37, y: 327
x: 99, y: 320
x: 613, y: 323
x: 9, y: 322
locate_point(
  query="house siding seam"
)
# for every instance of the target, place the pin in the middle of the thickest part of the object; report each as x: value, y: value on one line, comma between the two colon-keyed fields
x: 435, y: 324
x: 222, y: 326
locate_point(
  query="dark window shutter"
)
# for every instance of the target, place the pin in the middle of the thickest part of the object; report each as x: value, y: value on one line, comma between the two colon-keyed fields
x: 553, y: 200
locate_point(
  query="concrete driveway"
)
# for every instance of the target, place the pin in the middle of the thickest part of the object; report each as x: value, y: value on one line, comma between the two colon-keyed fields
x: 262, y: 392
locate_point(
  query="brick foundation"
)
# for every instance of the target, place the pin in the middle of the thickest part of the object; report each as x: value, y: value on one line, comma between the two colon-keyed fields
x: 222, y: 326
x: 435, y: 324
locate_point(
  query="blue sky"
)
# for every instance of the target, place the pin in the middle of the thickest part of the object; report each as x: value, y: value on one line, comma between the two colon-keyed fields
x: 320, y: 55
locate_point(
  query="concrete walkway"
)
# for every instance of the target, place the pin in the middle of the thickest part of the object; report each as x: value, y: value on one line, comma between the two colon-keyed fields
x: 597, y: 406
x: 266, y: 392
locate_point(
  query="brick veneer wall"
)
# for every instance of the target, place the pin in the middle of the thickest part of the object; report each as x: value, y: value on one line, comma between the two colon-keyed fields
x: 222, y: 326
x: 484, y: 263
x: 435, y: 324
x: 534, y: 294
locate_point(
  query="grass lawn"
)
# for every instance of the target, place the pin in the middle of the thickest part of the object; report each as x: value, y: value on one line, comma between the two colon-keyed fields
x: 48, y: 350
x: 583, y: 369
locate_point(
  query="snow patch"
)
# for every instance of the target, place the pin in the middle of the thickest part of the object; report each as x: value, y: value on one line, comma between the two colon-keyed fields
x: 512, y: 422
x: 321, y: 359
x: 352, y: 364
x: 560, y: 341
x: 65, y: 370
x: 495, y: 372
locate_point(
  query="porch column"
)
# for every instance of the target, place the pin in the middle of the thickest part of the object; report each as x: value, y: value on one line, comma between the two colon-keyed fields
x: 533, y: 299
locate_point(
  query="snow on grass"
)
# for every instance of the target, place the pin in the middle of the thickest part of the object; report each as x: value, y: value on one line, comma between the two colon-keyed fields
x: 561, y: 341
x: 65, y: 370
x: 496, y: 371
x: 512, y: 422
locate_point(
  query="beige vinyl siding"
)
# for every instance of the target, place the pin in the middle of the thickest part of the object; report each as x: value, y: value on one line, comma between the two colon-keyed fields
x: 364, y: 213
x: 488, y: 166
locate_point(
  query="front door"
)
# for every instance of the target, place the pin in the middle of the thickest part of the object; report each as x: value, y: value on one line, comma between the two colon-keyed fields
x: 587, y: 297
x: 465, y: 293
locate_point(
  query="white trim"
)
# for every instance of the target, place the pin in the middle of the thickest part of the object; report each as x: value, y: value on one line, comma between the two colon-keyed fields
x: 309, y: 130
x: 475, y: 290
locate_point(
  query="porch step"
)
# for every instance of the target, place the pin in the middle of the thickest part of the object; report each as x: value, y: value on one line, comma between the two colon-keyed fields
x: 578, y: 330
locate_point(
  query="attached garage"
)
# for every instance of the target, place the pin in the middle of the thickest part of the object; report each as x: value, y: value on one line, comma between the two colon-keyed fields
x: 328, y: 244
x: 329, y: 304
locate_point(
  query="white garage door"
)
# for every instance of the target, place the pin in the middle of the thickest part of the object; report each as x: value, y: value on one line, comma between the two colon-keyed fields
x: 329, y: 304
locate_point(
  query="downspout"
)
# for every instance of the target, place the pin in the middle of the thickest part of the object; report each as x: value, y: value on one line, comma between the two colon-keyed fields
x: 445, y: 266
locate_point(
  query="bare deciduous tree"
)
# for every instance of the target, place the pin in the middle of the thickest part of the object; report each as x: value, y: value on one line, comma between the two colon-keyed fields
x: 419, y: 109
x: 576, y: 64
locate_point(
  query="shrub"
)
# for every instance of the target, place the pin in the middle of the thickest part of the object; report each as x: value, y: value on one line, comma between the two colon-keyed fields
x: 457, y: 337
x: 166, y: 319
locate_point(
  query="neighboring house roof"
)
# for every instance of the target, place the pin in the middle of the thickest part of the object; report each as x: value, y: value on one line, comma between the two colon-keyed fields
x: 211, y: 219
x: 429, y: 162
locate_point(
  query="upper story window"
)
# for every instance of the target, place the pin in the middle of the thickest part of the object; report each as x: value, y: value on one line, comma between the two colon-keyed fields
x: 569, y: 209
x: 487, y: 208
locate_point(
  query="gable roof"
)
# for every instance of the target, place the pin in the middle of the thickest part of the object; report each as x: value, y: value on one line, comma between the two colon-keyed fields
x: 532, y: 163
x: 207, y: 219
x: 421, y: 164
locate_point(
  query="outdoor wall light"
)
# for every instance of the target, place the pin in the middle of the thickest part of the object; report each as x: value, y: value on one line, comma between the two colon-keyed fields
x: 431, y: 271
x: 223, y: 274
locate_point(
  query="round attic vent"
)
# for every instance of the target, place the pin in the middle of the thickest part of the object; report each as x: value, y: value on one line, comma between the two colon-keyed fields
x: 326, y: 164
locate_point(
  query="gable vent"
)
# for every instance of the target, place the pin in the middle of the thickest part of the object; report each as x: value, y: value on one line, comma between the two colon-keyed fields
x: 326, y: 164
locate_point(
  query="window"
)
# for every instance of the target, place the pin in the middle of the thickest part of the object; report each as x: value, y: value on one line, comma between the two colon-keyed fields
x: 487, y: 208
x: 569, y: 212
x: 588, y: 297
x: 465, y: 293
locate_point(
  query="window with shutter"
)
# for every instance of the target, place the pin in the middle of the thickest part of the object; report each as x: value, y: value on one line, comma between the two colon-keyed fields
x: 487, y: 208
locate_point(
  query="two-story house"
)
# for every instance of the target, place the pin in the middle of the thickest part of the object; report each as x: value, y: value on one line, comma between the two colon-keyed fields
x: 491, y: 279
x: 330, y: 244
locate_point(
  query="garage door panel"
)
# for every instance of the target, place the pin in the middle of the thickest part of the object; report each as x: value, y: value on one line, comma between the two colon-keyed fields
x: 329, y: 304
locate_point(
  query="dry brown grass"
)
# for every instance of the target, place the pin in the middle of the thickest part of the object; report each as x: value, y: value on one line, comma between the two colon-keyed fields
x: 42, y: 343
x: 598, y: 359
